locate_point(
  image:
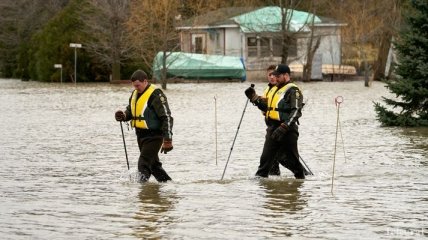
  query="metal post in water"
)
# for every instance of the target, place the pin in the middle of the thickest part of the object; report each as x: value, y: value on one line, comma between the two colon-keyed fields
x: 75, y: 67
x: 75, y: 46
x: 215, y: 127
x: 60, y: 67
x: 343, y: 143
x: 338, y: 100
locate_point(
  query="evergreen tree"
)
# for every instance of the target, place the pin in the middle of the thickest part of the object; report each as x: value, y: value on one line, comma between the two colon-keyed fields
x: 411, y: 86
x: 51, y: 45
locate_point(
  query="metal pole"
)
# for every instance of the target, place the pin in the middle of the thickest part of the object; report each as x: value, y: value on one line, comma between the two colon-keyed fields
x: 308, y: 170
x: 61, y: 74
x: 338, y: 100
x: 237, y: 130
x: 124, y: 145
x: 75, y: 66
x: 215, y: 126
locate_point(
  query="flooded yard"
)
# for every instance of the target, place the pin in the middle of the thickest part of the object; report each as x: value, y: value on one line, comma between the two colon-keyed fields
x: 64, y: 173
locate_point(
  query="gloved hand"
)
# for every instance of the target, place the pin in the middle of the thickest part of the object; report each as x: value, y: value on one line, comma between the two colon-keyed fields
x: 166, y: 146
x: 251, y: 94
x: 120, y: 116
x: 279, y: 132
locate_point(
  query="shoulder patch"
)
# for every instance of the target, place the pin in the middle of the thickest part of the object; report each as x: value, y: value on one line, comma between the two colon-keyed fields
x: 162, y: 99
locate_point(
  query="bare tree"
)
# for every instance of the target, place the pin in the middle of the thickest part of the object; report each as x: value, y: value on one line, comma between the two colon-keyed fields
x: 361, y: 17
x: 312, y: 47
x: 390, y: 14
x: 152, y: 30
x: 105, y: 23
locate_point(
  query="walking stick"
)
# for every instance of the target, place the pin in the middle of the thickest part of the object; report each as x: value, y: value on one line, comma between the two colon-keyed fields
x: 124, y: 145
x: 237, y: 130
x: 306, y: 166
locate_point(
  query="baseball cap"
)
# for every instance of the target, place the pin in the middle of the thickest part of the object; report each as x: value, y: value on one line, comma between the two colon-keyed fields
x: 281, y: 69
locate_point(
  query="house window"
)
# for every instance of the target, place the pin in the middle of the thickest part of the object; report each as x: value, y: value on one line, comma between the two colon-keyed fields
x: 265, y: 47
x: 259, y: 46
x: 252, y: 46
x: 199, y: 43
x: 277, y: 47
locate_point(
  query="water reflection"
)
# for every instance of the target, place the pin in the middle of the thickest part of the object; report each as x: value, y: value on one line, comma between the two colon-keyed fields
x: 418, y: 137
x: 154, y: 206
x: 283, y: 196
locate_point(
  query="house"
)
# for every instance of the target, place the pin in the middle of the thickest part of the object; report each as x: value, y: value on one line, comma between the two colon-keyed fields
x: 255, y: 36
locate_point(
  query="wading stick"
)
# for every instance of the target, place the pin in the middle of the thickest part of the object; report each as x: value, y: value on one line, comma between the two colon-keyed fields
x: 306, y: 166
x: 338, y: 100
x: 237, y: 130
x: 124, y: 145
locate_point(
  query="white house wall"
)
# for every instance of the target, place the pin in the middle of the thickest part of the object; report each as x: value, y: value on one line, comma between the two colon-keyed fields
x: 233, y: 42
x: 215, y: 41
x: 330, y: 45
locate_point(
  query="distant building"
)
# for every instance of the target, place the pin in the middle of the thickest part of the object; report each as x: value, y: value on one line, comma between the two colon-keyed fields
x: 254, y: 35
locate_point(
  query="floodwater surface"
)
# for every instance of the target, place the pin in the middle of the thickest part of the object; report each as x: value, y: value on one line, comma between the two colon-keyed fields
x: 63, y: 168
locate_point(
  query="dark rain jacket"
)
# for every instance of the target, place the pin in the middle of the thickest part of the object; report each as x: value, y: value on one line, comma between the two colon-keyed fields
x: 290, y: 108
x: 158, y: 107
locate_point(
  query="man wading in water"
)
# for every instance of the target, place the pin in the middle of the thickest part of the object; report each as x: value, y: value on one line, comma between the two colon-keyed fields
x: 283, y: 109
x: 150, y: 115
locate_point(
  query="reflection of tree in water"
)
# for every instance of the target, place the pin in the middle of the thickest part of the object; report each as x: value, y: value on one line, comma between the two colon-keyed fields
x: 283, y: 196
x: 152, y: 216
x: 418, y: 137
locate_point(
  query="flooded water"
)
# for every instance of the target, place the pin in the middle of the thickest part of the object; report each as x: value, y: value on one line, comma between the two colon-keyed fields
x: 63, y: 169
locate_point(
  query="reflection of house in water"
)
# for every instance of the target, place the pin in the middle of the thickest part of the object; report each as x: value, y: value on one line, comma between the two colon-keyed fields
x: 256, y: 36
x: 154, y: 206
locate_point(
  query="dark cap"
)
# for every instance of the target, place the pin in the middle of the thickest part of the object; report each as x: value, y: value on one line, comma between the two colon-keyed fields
x: 281, y: 69
x: 139, y: 75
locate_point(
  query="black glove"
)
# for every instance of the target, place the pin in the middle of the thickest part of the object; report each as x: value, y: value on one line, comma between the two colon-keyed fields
x: 279, y: 132
x: 251, y: 94
x: 120, y: 116
x: 166, y: 146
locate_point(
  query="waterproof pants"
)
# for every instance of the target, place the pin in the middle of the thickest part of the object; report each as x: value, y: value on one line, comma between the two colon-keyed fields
x: 149, y: 163
x: 287, y: 147
x: 274, y: 171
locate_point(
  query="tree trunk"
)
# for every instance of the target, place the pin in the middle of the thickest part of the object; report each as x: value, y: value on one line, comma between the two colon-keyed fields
x: 115, y: 71
x: 367, y: 81
x: 163, y: 72
x: 382, y: 56
x: 307, y: 68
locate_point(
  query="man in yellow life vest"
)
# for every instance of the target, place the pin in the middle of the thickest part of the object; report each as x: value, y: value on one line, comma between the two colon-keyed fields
x: 283, y: 109
x: 149, y: 113
x: 274, y: 171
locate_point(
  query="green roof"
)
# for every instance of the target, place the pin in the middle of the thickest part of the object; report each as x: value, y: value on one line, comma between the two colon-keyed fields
x: 268, y: 19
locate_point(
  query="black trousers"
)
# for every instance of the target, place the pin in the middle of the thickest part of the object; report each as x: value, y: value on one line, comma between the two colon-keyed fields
x: 274, y: 171
x: 148, y: 162
x: 274, y: 150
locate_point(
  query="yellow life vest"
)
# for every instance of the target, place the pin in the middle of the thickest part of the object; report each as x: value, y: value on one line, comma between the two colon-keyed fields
x: 139, y: 108
x: 274, y: 97
x: 266, y: 91
x: 267, y: 94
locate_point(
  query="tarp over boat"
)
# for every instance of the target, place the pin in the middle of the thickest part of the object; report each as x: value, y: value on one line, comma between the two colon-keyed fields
x: 199, y: 66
